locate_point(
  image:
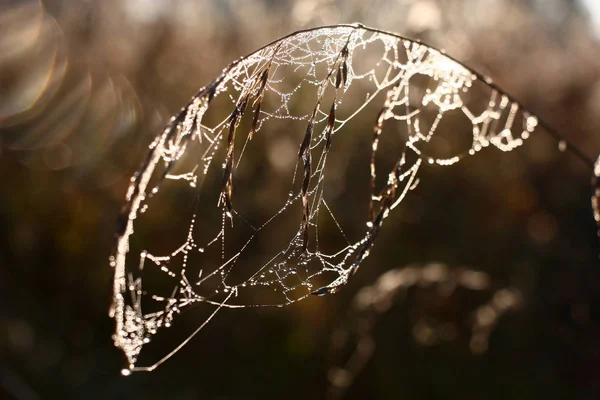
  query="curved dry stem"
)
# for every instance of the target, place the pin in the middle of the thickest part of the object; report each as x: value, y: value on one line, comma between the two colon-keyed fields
x: 308, y: 86
x: 353, y: 342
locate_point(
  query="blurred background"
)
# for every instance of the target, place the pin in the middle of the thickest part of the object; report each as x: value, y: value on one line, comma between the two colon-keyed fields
x: 84, y: 88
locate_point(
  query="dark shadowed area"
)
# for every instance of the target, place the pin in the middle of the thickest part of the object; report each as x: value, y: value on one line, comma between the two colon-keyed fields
x: 483, y: 283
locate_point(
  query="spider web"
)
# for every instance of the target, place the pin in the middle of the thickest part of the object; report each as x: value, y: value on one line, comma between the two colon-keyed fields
x: 309, y: 87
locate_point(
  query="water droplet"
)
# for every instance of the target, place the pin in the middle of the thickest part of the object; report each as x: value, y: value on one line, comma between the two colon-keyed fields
x: 562, y: 145
x: 532, y: 122
x: 369, y: 224
x: 125, y: 372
